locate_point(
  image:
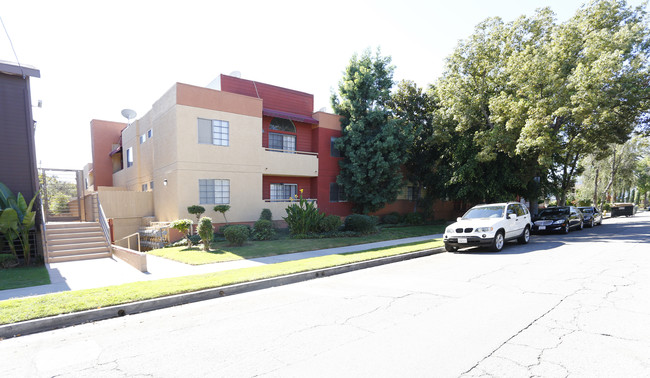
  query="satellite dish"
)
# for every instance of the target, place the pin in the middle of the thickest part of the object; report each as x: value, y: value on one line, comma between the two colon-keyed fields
x: 236, y: 74
x: 129, y: 114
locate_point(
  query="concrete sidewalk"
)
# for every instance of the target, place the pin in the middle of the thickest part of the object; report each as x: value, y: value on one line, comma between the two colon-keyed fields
x: 78, y: 275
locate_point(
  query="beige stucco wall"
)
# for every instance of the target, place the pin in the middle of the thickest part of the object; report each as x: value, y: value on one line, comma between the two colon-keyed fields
x: 174, y: 154
x: 126, y: 204
x: 123, y: 227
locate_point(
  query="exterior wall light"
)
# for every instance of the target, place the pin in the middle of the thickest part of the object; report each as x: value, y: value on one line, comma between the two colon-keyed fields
x: 165, y: 182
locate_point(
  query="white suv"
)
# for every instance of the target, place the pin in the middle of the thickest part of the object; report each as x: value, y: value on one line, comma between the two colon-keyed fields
x: 489, y: 225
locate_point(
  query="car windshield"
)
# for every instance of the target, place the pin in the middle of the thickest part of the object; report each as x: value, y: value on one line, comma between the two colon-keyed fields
x: 484, y: 212
x: 553, y: 212
x: 586, y: 210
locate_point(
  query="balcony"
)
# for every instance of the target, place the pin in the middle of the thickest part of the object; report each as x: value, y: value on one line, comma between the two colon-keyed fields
x: 289, y: 163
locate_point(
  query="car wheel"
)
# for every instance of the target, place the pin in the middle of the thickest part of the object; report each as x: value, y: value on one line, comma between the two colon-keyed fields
x: 450, y: 248
x: 525, y: 236
x: 497, y: 243
x: 581, y: 225
x: 566, y: 229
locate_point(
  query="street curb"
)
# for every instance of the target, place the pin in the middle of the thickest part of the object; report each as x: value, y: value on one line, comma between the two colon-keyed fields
x: 76, y: 318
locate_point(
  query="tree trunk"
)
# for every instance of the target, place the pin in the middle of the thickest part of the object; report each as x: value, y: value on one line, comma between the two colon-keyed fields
x: 611, y: 180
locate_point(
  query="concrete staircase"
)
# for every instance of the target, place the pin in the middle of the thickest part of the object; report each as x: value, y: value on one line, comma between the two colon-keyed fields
x: 71, y: 241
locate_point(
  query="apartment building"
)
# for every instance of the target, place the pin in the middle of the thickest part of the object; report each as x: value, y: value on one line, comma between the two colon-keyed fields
x: 249, y: 145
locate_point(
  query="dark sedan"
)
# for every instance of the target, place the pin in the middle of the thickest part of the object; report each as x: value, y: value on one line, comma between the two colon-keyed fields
x: 560, y: 218
x: 592, y: 216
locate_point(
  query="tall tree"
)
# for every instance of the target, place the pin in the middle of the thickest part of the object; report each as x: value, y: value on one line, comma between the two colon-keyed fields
x: 372, y: 141
x: 536, y: 89
x: 427, y: 136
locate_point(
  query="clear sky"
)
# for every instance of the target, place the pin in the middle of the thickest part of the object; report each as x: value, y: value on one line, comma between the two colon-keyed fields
x: 97, y: 58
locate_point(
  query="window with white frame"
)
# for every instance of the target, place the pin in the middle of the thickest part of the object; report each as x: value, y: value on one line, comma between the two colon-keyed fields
x: 149, y: 133
x: 144, y: 187
x: 214, y: 192
x: 151, y: 185
x: 284, y: 142
x: 283, y: 192
x: 411, y: 193
x: 129, y: 157
x: 212, y: 131
x: 143, y: 138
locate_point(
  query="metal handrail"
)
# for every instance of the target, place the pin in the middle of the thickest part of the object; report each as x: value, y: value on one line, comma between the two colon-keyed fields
x: 294, y: 200
x: 291, y: 151
x: 128, y: 240
x: 103, y: 222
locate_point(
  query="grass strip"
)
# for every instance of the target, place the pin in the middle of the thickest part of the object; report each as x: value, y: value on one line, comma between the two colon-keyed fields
x: 221, y: 251
x: 16, y: 310
x: 14, y: 278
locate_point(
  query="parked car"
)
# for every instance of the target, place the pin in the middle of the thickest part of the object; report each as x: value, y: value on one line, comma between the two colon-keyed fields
x: 592, y: 216
x: 489, y: 225
x: 558, y: 218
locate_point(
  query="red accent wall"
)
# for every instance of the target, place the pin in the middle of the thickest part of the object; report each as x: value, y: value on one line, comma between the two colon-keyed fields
x: 102, y: 136
x: 303, y: 183
x: 328, y: 169
x: 276, y: 98
x: 303, y: 134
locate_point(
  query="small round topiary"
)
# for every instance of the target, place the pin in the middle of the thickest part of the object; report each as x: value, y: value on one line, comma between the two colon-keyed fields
x: 263, y: 230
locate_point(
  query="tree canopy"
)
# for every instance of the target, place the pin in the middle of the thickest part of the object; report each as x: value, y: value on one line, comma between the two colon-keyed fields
x: 372, y: 141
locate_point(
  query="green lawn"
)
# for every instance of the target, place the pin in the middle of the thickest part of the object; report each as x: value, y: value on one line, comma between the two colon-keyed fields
x: 16, y: 310
x: 14, y: 278
x: 222, y: 251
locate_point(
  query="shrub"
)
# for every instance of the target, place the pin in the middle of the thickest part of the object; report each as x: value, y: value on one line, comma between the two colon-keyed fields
x: 391, y: 218
x: 236, y: 234
x: 413, y: 218
x: 607, y: 207
x: 263, y: 230
x: 329, y: 223
x: 360, y: 223
x: 206, y: 232
x: 222, y: 209
x: 7, y: 260
x: 196, y: 210
x: 303, y: 217
x: 266, y: 214
x: 183, y: 226
x: 222, y: 229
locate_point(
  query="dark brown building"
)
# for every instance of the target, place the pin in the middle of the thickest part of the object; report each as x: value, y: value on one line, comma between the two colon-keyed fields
x: 17, y: 150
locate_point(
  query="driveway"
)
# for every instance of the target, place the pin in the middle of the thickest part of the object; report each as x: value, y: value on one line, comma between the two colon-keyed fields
x: 563, y: 305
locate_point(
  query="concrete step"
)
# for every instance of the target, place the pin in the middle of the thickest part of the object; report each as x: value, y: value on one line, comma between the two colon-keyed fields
x: 79, y: 251
x: 56, y: 259
x: 60, y: 225
x: 73, y: 235
x: 76, y: 246
x: 60, y: 239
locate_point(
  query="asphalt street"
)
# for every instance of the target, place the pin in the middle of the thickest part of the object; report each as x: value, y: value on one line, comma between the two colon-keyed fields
x: 564, y: 305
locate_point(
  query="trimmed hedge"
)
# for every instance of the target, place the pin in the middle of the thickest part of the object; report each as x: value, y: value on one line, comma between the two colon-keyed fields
x: 237, y: 234
x: 364, y: 224
x: 263, y: 230
x: 330, y: 223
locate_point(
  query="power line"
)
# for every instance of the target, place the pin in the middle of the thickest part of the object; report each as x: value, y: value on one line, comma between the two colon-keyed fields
x: 12, y: 46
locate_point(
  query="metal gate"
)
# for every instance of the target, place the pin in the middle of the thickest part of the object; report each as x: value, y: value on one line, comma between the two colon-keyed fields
x: 62, y: 193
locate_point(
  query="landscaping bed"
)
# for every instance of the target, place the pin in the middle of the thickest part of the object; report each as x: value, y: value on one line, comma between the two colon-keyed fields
x: 221, y: 251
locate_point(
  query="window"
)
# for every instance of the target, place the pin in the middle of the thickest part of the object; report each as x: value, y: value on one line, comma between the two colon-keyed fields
x: 151, y: 185
x: 284, y: 142
x: 144, y: 187
x: 281, y: 124
x: 334, y: 152
x: 282, y: 192
x: 214, y: 192
x: 129, y: 157
x: 143, y: 138
x: 411, y: 193
x: 336, y: 193
x: 213, y: 132
x: 149, y: 133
